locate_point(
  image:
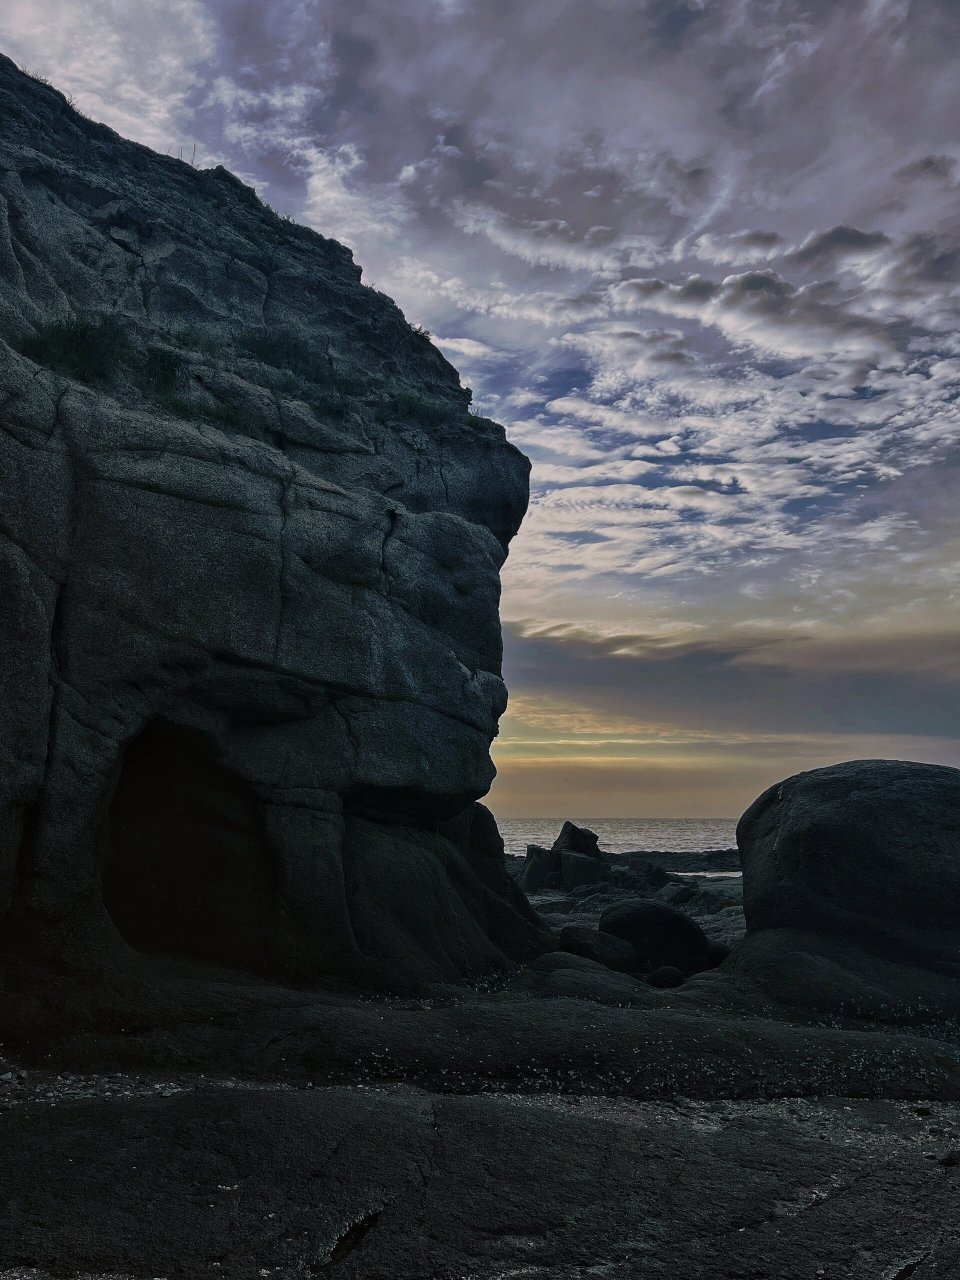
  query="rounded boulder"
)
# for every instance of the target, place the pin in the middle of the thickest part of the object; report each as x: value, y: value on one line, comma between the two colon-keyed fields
x: 659, y: 934
x: 851, y: 880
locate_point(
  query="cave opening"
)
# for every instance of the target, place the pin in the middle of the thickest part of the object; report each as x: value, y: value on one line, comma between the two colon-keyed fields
x: 189, y: 870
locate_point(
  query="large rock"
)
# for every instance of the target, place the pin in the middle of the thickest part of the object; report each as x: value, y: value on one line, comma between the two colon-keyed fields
x: 851, y: 878
x: 541, y: 863
x: 659, y: 934
x: 250, y: 541
x: 578, y: 869
x: 578, y: 840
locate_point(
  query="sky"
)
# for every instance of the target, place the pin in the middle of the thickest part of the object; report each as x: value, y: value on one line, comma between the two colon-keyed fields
x: 702, y: 259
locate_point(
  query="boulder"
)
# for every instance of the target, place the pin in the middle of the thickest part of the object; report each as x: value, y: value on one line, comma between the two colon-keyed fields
x: 250, y: 576
x: 578, y: 840
x: 851, y: 881
x: 540, y: 864
x: 660, y: 935
x: 604, y: 948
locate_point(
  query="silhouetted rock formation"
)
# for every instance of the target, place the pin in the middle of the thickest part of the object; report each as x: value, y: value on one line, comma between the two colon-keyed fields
x: 851, y: 879
x: 251, y: 541
x: 574, y: 859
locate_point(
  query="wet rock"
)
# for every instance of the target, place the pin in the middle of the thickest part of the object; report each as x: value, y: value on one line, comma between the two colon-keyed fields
x: 638, y: 877
x: 676, y: 894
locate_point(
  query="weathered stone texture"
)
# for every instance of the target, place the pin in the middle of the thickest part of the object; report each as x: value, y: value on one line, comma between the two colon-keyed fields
x: 254, y: 520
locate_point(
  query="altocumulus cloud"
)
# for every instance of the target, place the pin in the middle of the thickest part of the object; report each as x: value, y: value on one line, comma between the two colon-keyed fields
x: 702, y: 259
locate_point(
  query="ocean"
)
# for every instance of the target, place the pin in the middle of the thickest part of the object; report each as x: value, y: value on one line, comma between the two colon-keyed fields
x: 626, y: 835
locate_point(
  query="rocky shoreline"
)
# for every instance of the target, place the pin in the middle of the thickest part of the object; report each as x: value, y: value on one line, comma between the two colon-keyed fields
x: 567, y: 1119
x: 271, y: 1001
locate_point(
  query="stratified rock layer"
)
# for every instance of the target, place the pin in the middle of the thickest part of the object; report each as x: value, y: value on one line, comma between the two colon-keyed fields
x: 851, y: 890
x: 250, y: 541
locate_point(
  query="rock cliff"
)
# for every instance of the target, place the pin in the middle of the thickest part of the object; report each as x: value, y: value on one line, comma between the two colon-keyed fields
x: 250, y: 541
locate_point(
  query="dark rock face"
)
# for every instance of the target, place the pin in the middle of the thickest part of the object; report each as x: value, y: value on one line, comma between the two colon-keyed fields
x: 659, y: 934
x: 250, y: 541
x: 851, y: 879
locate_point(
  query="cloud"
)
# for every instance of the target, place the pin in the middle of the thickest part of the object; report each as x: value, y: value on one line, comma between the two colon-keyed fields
x: 137, y: 70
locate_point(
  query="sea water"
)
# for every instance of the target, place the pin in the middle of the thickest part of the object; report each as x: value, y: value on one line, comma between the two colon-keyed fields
x: 626, y: 835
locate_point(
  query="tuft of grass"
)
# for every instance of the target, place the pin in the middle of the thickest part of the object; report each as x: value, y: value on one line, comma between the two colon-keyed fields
x: 422, y: 409
x: 162, y: 372
x: 83, y: 348
x: 332, y: 403
x: 285, y: 350
x: 197, y: 340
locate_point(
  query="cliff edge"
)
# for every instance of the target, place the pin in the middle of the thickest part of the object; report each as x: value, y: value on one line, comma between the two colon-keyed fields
x: 250, y: 541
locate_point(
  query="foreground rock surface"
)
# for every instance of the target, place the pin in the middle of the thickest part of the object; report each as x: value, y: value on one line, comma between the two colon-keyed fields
x: 250, y: 539
x: 291, y: 1183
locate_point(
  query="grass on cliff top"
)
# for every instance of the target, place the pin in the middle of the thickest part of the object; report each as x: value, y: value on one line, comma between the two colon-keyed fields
x: 423, y: 409
x: 90, y: 350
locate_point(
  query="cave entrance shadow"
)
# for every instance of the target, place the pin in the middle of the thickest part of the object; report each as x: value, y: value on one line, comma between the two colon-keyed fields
x: 189, y: 871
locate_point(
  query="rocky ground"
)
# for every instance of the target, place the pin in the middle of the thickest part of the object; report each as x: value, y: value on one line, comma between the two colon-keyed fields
x: 713, y: 899
x: 569, y: 1122
x: 139, y: 1177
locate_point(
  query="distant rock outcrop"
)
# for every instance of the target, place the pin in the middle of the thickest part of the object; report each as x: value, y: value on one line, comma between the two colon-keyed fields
x: 851, y: 881
x: 250, y: 541
x: 574, y: 859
